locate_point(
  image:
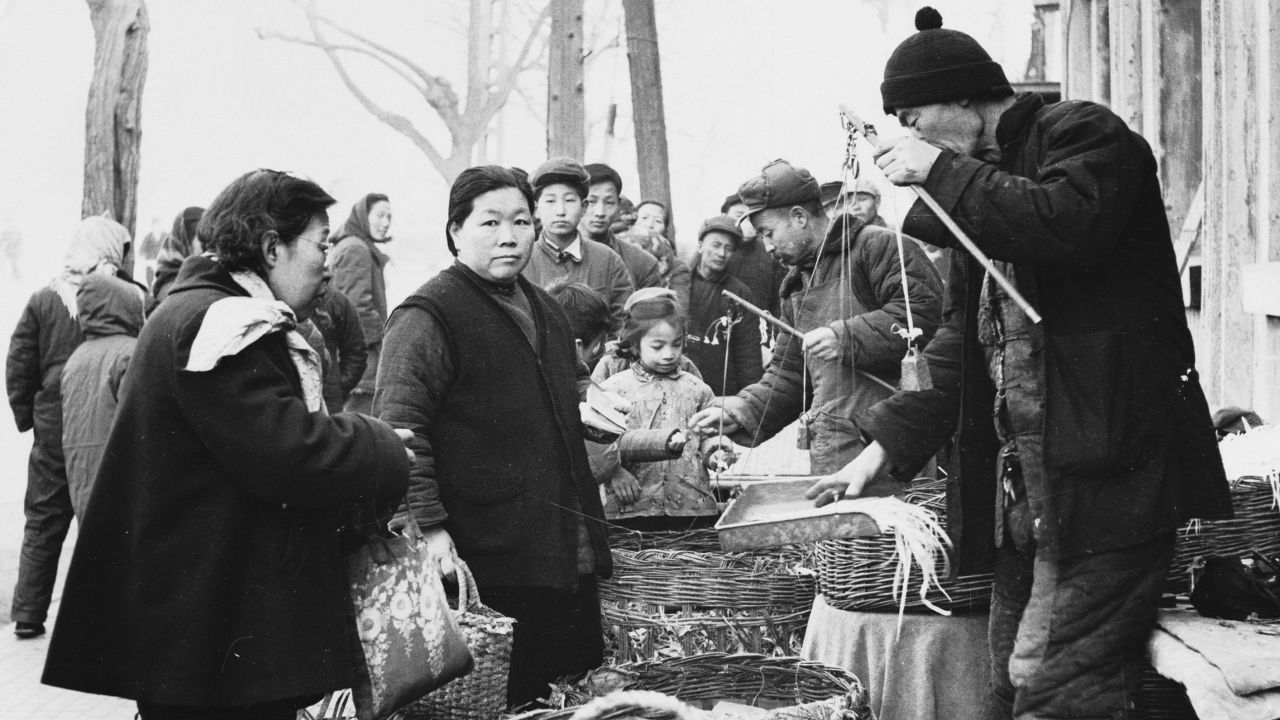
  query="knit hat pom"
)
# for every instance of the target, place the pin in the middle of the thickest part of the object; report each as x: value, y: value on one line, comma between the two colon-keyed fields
x: 928, y: 19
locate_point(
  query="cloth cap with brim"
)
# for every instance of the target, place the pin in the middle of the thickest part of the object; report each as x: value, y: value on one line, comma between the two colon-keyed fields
x: 562, y: 170
x: 779, y: 185
x: 936, y: 65
x: 721, y: 224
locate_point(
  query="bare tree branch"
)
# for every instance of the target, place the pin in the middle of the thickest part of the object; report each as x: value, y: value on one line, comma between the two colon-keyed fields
x: 413, y: 80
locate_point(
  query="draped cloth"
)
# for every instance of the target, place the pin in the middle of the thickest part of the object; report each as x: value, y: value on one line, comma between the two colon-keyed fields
x: 234, y: 323
x: 97, y: 241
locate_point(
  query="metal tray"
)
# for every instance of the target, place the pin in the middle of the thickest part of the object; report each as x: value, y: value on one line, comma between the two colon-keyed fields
x: 768, y: 514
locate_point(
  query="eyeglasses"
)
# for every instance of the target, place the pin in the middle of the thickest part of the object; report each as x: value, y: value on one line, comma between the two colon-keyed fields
x: 324, y: 245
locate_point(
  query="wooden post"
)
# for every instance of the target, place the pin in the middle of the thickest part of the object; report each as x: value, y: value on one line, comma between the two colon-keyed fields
x: 113, y: 128
x: 646, y: 101
x: 566, y: 109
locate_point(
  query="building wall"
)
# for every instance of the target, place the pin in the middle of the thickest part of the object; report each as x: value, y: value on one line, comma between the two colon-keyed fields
x: 1195, y: 78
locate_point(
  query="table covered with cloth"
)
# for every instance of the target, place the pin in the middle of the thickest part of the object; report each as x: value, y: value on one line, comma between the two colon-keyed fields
x: 938, y: 667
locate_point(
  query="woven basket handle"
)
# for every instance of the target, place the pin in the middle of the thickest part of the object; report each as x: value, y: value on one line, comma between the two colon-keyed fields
x: 468, y: 592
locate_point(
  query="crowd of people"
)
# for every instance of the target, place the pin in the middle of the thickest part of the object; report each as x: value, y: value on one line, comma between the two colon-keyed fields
x: 226, y: 435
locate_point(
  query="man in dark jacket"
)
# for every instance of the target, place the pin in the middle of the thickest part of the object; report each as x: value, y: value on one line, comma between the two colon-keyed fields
x: 604, y: 187
x: 338, y: 320
x: 845, y: 293
x: 753, y: 263
x: 724, y: 340
x: 1084, y: 440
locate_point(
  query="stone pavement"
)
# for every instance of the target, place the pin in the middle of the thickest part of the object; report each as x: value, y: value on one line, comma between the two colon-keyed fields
x: 22, y: 695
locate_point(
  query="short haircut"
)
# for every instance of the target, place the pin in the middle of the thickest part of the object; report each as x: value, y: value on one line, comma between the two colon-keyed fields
x: 589, y: 316
x: 474, y: 182
x: 254, y: 204
x: 600, y: 173
x: 659, y: 203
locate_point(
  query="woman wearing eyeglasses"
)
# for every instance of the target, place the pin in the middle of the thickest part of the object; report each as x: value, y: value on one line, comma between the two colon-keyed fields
x: 208, y: 580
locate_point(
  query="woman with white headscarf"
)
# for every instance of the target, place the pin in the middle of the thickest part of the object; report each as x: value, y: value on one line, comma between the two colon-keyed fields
x: 45, y: 337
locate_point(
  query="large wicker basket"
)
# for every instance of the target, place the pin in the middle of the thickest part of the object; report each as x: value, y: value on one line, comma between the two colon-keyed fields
x: 482, y: 693
x: 857, y: 573
x: 1256, y: 526
x: 665, y: 603
x: 703, y: 680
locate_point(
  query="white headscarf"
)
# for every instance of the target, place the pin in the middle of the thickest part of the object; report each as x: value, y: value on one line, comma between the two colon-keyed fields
x: 97, y: 245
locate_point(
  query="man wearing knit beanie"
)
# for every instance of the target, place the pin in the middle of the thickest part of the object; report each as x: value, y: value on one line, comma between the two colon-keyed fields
x: 1088, y: 432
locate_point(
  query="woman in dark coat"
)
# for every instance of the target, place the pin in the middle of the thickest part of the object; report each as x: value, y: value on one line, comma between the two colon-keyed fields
x: 208, y: 580
x: 480, y: 365
x: 358, y: 272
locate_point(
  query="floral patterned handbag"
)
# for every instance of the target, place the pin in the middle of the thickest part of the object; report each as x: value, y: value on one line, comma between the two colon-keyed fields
x: 410, y: 636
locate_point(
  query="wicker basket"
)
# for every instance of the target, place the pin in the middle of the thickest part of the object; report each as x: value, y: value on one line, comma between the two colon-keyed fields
x: 666, y: 603
x: 1256, y: 526
x: 482, y: 693
x: 857, y: 573
x: 703, y: 680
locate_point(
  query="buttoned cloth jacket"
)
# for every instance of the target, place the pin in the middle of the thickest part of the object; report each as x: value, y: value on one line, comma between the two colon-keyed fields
x: 1129, y: 450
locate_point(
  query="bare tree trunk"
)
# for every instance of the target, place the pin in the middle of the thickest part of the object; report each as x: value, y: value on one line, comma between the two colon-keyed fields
x: 566, y: 108
x: 113, y: 128
x: 646, y: 101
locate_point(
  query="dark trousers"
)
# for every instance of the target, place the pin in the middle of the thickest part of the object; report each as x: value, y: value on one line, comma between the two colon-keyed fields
x: 274, y: 710
x: 558, y: 632
x: 48, y: 509
x: 1067, y: 633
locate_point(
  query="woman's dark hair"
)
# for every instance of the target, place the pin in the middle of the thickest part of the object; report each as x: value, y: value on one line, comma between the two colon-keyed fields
x: 474, y: 182
x: 642, y: 317
x: 254, y: 204
x: 589, y: 316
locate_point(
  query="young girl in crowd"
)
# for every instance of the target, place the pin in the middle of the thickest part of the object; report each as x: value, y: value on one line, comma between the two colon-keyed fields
x: 668, y: 494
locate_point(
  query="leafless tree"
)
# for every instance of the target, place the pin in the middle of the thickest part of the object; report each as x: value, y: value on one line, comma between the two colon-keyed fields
x: 491, y: 77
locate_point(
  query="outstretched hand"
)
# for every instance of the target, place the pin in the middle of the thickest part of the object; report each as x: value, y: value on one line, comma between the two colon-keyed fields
x: 849, y: 482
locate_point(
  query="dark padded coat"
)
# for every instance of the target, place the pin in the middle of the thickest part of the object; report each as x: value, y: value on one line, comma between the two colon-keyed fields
x: 209, y: 569
x: 1129, y: 449
x: 854, y: 286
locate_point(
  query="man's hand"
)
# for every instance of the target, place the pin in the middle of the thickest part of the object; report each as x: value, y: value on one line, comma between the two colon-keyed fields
x: 405, y: 436
x: 852, y: 479
x: 908, y: 160
x: 821, y: 344
x: 625, y: 487
x: 712, y: 421
x: 440, y: 551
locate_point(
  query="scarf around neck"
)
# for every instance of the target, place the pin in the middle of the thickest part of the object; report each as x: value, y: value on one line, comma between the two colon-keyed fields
x: 234, y: 323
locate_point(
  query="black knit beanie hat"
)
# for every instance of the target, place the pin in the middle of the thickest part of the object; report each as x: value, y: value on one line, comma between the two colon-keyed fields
x: 937, y: 65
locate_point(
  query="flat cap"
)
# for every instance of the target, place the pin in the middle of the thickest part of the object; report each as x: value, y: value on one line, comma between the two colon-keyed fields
x: 722, y: 224
x: 560, y: 170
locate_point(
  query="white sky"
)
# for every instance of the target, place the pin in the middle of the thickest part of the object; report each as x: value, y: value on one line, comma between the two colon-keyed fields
x: 745, y: 82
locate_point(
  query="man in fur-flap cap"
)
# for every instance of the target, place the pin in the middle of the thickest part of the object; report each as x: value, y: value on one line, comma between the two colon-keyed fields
x: 1084, y: 440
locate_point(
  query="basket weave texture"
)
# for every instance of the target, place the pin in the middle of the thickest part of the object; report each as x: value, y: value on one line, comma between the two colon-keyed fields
x: 703, y: 680
x: 1256, y: 526
x: 672, y: 602
x: 857, y: 573
x: 482, y: 693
